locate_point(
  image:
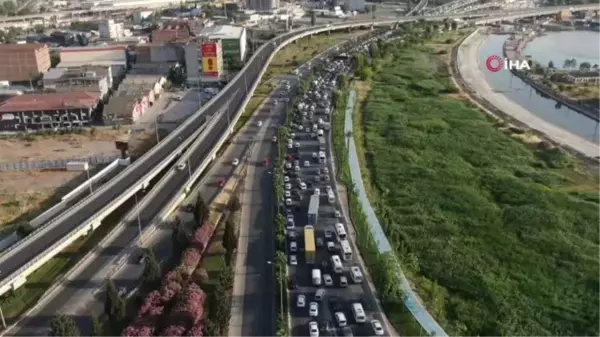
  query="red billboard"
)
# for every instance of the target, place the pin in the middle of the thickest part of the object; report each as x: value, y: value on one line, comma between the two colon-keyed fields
x: 209, y: 49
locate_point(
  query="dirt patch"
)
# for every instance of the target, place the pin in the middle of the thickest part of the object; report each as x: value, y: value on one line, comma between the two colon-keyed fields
x: 53, y: 147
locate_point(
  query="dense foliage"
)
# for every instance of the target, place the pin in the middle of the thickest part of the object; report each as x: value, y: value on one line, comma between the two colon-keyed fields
x: 506, y: 237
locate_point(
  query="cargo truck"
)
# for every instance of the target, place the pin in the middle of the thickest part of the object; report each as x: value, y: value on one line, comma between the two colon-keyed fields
x: 309, y: 244
x: 313, y: 210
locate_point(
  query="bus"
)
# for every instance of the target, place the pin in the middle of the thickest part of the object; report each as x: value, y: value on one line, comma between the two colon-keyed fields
x: 309, y: 244
x: 346, y: 250
x: 336, y: 263
x: 340, y: 231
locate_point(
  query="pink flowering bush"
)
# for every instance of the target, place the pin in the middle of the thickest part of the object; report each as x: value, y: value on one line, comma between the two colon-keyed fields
x: 170, y: 290
x: 202, y: 236
x: 152, y: 300
x: 143, y: 331
x: 191, y: 257
x: 174, y: 330
x: 196, y: 331
x: 188, y: 309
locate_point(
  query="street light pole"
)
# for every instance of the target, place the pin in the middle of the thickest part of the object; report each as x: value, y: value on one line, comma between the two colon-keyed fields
x: 189, y: 167
x: 87, y: 170
x: 156, y: 128
x: 2, y: 316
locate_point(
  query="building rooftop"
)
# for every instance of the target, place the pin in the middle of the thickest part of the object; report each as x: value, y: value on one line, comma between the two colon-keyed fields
x: 91, y: 63
x: 92, y: 48
x: 222, y: 32
x: 53, y: 101
x: 20, y: 46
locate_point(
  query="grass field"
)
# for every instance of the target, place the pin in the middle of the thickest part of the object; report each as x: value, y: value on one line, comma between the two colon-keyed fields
x: 505, y: 235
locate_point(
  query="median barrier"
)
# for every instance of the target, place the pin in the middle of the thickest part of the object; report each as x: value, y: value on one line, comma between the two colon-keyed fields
x: 48, y: 214
x: 86, y: 184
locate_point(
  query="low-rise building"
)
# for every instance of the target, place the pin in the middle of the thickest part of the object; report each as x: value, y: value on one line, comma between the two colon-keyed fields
x: 233, y: 40
x: 136, y: 94
x: 577, y: 77
x: 159, y: 53
x: 49, y: 111
x: 21, y: 62
x: 92, y: 79
x: 109, y: 29
x: 178, y: 32
x: 107, y: 56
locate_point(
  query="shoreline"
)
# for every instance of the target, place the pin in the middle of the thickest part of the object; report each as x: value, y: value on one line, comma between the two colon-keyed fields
x: 512, y: 49
x: 472, y: 81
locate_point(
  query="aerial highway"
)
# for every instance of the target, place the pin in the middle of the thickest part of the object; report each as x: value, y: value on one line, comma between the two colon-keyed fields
x: 15, y: 262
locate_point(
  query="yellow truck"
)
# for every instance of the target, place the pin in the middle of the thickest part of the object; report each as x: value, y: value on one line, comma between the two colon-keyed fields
x: 309, y: 244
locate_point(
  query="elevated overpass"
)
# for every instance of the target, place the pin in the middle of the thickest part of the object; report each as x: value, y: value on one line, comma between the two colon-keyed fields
x: 32, y: 252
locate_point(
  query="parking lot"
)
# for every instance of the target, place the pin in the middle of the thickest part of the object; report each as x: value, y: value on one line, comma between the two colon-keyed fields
x: 308, y: 168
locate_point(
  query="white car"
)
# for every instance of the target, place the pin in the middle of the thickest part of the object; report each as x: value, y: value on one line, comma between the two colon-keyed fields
x: 328, y: 188
x: 313, y: 309
x: 326, y: 171
x: 294, y: 247
x: 288, y: 165
x: 307, y: 130
x: 317, y: 191
x: 181, y: 166
x: 293, y: 260
x: 328, y: 280
x: 288, y: 201
x: 301, y: 301
x: 290, y: 146
x: 292, y: 135
x: 296, y: 168
x: 259, y: 123
x: 377, y: 327
x: 330, y: 246
x: 337, y: 214
x: 297, y: 145
x: 313, y: 329
x: 235, y: 162
x: 306, y: 163
x: 288, y: 186
x: 303, y: 186
x: 288, y: 194
x: 314, y: 155
x: 286, y: 179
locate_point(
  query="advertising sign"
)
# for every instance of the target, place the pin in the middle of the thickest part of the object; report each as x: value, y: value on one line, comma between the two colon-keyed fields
x: 210, y: 66
x: 210, y: 63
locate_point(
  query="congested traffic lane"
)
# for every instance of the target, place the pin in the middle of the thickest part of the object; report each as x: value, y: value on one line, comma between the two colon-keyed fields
x: 301, y: 273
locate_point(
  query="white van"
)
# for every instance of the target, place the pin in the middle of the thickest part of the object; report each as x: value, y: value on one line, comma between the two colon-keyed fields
x: 320, y: 133
x: 359, y: 313
x: 330, y: 196
x: 340, y: 231
x: 336, y: 263
x: 356, y: 274
x: 316, y: 277
x: 341, y: 319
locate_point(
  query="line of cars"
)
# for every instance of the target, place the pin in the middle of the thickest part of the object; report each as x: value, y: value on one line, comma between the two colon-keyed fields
x: 332, y: 289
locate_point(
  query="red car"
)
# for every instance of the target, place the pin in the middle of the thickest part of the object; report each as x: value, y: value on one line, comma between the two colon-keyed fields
x: 266, y: 162
x: 221, y: 182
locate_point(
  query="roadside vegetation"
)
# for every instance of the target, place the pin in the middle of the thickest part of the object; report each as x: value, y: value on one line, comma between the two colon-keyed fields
x: 498, y: 237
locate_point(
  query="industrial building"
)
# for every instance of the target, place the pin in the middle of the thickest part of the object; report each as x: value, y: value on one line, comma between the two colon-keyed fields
x: 111, y: 56
x: 92, y: 79
x: 48, y: 111
x: 262, y: 5
x: 233, y: 40
x: 19, y: 62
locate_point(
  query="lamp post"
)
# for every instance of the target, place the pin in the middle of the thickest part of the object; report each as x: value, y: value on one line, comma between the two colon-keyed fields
x: 139, y: 221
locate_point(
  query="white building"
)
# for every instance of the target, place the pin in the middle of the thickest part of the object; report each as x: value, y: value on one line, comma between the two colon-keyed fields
x: 139, y: 16
x: 233, y: 39
x: 262, y: 5
x: 109, y: 29
x: 356, y: 5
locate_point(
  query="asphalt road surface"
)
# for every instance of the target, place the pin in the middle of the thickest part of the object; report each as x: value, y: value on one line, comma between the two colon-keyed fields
x: 253, y: 309
x: 326, y: 220
x: 91, y: 277
x: 9, y: 263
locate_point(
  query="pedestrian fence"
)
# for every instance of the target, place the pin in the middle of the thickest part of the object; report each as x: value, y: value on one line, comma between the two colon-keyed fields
x: 59, y: 164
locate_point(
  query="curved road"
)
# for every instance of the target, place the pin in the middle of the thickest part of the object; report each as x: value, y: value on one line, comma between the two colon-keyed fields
x: 64, y: 224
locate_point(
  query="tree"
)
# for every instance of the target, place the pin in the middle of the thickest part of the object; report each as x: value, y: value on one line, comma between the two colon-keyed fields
x: 313, y: 18
x: 551, y: 64
x: 152, y: 271
x: 229, y: 235
x: 585, y: 66
x: 234, y: 204
x: 454, y: 25
x: 63, y: 325
x: 97, y: 326
x: 114, y: 306
x: 202, y: 211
